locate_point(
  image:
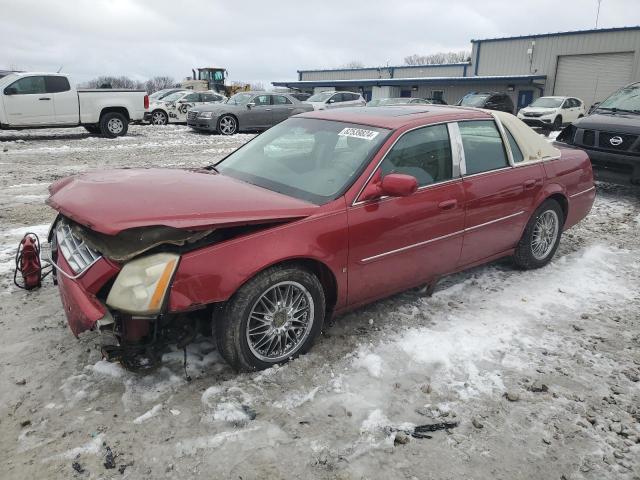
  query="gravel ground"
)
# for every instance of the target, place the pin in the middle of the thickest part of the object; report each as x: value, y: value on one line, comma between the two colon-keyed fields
x: 533, y: 374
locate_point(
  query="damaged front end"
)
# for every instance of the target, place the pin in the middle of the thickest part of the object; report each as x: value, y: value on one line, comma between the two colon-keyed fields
x: 119, y: 285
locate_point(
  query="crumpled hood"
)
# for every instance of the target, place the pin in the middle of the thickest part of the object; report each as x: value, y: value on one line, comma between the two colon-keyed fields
x: 115, y: 200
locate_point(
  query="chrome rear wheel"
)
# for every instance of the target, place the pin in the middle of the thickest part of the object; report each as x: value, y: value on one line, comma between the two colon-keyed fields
x: 545, y: 234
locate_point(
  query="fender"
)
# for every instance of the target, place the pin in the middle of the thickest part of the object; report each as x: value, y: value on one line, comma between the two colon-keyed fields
x: 213, y: 274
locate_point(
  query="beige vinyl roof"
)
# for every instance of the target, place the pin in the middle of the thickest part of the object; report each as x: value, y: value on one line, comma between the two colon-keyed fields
x: 534, y: 146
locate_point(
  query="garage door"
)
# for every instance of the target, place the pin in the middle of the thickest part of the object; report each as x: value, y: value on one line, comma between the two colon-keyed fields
x: 592, y: 78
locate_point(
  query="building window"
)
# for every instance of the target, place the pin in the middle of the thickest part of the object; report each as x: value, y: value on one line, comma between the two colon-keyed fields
x: 437, y: 94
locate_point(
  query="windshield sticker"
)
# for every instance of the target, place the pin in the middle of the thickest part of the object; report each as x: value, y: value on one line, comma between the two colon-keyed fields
x: 358, y: 133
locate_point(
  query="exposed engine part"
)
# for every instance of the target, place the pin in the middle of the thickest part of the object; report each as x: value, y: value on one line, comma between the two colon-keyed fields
x: 28, y: 263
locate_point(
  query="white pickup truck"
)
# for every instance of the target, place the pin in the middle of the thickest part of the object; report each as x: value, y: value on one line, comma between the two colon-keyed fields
x: 44, y: 100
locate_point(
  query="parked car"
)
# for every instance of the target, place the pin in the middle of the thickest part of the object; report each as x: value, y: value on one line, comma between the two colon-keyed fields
x: 160, y: 94
x: 246, y: 111
x: 550, y: 113
x: 174, y: 107
x: 318, y: 215
x: 41, y: 100
x: 303, y: 97
x: 489, y: 100
x: 328, y: 100
x: 611, y: 135
x: 380, y: 102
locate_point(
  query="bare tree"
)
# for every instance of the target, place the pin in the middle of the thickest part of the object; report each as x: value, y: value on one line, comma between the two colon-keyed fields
x: 353, y: 64
x: 158, y: 83
x: 107, y: 81
x: 438, y: 58
x: 256, y: 86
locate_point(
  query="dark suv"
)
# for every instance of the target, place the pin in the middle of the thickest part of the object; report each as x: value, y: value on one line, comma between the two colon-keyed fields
x: 611, y: 136
x: 488, y: 100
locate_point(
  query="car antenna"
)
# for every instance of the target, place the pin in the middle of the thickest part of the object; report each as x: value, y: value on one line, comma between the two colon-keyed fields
x: 60, y: 69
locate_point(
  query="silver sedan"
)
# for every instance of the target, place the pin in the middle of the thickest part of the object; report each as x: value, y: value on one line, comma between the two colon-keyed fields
x: 246, y: 111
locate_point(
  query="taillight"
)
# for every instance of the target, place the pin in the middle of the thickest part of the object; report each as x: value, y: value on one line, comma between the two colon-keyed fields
x: 146, y: 102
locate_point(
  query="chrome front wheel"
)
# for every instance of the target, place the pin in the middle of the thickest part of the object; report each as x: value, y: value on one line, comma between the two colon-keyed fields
x: 280, y: 321
x: 227, y: 125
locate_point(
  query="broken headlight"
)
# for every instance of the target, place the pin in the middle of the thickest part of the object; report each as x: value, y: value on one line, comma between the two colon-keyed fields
x: 142, y: 284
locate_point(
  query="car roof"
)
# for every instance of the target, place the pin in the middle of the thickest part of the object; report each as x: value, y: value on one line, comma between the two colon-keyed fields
x: 394, y: 117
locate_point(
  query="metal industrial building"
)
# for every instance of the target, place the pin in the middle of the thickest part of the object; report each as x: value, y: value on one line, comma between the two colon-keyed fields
x: 588, y: 64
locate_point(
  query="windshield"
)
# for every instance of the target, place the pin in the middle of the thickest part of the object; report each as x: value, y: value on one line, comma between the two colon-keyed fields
x: 547, y: 102
x: 173, y: 97
x: 320, y: 97
x: 159, y: 94
x: 240, y: 98
x: 474, y: 100
x: 309, y: 159
x: 627, y: 98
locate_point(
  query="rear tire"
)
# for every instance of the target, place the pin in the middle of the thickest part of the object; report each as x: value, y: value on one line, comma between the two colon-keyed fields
x: 113, y: 124
x: 158, y: 117
x: 541, y: 236
x: 273, y: 318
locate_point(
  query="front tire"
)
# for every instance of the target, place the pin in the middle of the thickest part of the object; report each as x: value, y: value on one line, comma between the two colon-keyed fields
x: 557, y: 123
x: 541, y: 236
x: 227, y: 125
x: 273, y: 318
x: 113, y: 124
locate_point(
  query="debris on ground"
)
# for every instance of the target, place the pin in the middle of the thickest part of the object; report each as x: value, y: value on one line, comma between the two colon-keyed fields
x: 109, y: 458
x: 77, y: 467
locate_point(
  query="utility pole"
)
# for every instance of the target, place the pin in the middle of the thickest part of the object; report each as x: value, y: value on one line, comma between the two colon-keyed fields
x: 598, y: 13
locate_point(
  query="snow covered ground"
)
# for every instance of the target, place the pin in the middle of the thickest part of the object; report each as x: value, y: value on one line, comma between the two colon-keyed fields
x: 536, y: 373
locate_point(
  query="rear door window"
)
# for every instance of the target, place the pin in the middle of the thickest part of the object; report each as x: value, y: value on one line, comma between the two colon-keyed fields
x: 57, y: 84
x: 483, y: 147
x: 281, y: 100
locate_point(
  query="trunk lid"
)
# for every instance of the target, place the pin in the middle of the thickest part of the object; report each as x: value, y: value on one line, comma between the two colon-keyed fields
x: 115, y: 200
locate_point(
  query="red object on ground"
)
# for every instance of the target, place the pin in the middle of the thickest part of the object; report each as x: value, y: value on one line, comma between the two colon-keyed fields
x: 29, y: 262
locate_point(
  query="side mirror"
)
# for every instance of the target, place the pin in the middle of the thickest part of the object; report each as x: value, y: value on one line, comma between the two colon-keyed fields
x: 391, y: 185
x: 251, y: 105
x: 331, y: 100
x: 10, y: 91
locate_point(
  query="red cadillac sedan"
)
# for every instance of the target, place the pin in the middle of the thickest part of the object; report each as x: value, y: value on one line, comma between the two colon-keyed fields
x: 322, y: 213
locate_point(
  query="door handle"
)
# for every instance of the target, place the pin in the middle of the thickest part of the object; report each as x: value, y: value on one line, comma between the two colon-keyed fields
x: 45, y: 98
x: 529, y: 184
x: 448, y: 205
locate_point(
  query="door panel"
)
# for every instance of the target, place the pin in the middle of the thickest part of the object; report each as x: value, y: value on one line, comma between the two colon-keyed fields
x: 498, y: 206
x: 282, y: 108
x: 260, y: 115
x: 397, y: 243
x: 65, y: 100
x: 498, y: 197
x: 31, y: 105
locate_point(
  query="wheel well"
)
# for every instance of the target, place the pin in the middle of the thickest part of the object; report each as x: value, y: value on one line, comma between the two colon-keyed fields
x: 121, y: 110
x: 230, y: 115
x: 320, y: 270
x: 562, y: 201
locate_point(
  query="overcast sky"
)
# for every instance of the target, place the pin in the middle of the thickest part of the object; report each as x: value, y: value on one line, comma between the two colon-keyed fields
x: 267, y: 41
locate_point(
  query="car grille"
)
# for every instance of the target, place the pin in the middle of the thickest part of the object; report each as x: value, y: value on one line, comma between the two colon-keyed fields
x: 588, y: 138
x: 604, y: 141
x: 77, y: 254
x: 531, y: 114
x: 192, y: 115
